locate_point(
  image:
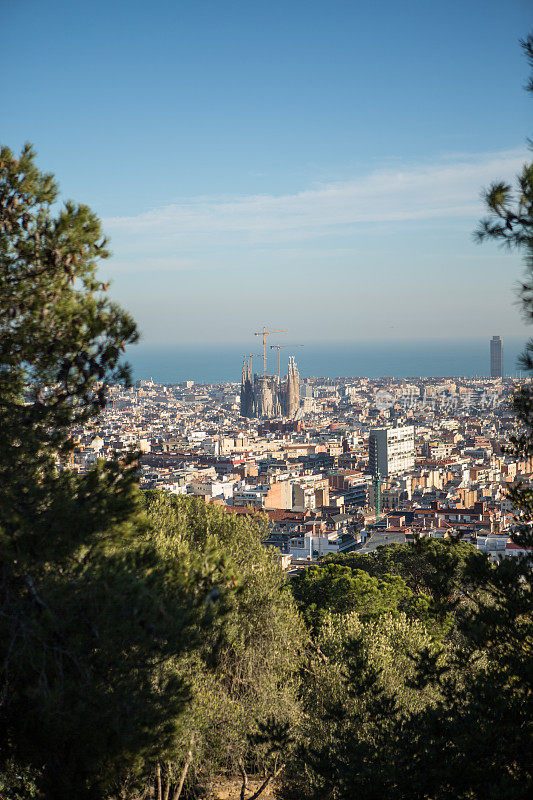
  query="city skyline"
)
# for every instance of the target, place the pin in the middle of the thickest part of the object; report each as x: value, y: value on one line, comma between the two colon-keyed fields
x: 221, y: 362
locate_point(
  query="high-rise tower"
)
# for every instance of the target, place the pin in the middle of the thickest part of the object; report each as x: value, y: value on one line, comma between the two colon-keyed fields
x: 496, y: 357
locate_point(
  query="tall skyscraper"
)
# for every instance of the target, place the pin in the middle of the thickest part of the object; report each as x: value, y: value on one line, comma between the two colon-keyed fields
x: 391, y: 450
x: 496, y: 357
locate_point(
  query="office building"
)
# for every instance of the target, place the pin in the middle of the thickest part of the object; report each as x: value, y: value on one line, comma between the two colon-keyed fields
x: 496, y: 357
x: 392, y: 450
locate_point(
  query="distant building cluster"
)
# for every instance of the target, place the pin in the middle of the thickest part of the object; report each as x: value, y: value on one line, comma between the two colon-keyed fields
x: 334, y: 466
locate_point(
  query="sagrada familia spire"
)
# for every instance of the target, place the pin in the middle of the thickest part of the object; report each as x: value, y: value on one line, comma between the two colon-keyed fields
x: 267, y: 396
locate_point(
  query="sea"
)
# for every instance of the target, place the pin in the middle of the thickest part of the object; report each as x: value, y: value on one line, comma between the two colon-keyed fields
x: 221, y: 363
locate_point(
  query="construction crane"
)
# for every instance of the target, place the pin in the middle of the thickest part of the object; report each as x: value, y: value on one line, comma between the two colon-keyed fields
x: 278, y: 348
x: 264, y: 334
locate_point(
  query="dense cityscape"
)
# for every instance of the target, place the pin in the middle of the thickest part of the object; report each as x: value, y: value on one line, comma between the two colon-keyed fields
x: 355, y: 462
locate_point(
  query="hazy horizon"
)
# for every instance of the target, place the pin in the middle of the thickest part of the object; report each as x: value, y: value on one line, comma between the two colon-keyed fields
x: 222, y: 361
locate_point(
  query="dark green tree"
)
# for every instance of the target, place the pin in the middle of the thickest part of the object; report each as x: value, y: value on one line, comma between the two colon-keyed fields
x: 433, y: 573
x: 341, y: 588
x: 428, y: 566
x: 355, y: 691
x: 244, y: 680
x: 92, y: 608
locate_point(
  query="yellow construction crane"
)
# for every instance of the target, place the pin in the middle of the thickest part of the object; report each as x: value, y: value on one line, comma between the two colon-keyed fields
x: 278, y: 348
x: 264, y: 333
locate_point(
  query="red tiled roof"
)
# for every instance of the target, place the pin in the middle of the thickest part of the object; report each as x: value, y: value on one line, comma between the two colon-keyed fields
x: 513, y: 546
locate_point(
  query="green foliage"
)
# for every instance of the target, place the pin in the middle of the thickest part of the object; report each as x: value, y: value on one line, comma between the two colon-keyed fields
x: 244, y: 680
x: 426, y: 580
x: 18, y: 782
x: 93, y: 610
x: 383, y: 699
x: 341, y: 588
x: 61, y: 338
x: 355, y: 693
x: 434, y: 567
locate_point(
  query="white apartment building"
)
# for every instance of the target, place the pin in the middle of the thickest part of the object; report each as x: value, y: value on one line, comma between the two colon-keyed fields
x: 392, y: 450
x: 212, y: 488
x: 310, y: 547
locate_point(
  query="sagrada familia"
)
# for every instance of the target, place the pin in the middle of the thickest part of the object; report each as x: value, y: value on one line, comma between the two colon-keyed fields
x: 267, y: 396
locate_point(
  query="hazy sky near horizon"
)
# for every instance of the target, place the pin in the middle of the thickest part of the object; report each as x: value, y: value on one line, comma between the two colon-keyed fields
x: 302, y: 164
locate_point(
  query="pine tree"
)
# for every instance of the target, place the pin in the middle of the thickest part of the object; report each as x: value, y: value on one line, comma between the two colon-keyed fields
x: 93, y: 610
x: 244, y: 681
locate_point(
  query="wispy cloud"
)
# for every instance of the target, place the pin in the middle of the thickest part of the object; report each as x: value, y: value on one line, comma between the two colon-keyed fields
x: 445, y: 190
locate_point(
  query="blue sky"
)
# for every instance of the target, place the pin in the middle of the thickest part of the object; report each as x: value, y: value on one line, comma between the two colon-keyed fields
x: 312, y: 165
